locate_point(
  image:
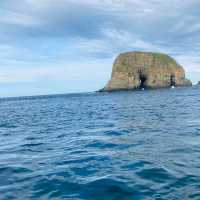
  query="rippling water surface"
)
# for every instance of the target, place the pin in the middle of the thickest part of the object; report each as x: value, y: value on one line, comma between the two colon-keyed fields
x: 100, y: 146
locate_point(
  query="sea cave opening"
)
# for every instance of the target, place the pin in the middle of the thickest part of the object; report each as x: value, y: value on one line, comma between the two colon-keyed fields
x: 172, y: 81
x: 142, y: 80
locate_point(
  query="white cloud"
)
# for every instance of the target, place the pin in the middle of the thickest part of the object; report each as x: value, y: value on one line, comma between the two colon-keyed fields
x: 17, y: 18
x: 62, y: 71
x: 191, y: 66
x: 114, y: 41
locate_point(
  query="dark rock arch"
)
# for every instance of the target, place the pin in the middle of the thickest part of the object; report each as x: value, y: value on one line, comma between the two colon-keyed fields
x: 142, y: 78
x: 172, y: 80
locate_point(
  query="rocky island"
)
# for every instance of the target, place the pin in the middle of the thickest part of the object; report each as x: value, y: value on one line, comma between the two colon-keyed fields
x: 138, y: 70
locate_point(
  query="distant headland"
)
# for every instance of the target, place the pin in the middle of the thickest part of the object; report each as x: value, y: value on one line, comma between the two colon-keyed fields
x: 138, y: 70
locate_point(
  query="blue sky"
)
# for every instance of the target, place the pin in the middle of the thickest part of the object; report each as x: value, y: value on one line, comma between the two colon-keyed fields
x: 64, y: 46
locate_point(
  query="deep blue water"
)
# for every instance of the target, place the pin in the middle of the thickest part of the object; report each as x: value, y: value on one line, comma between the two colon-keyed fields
x: 101, y: 146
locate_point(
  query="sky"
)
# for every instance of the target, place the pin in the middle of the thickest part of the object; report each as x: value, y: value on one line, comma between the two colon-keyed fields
x: 67, y: 46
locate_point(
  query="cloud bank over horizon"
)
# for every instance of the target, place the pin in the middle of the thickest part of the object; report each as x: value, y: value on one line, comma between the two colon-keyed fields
x: 50, y: 46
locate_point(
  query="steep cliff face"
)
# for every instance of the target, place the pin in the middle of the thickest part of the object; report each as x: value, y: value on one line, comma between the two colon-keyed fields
x: 135, y: 70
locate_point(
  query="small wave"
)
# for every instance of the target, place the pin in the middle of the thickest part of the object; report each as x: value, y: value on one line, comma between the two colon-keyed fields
x: 137, y: 165
x: 102, y: 188
x: 12, y: 174
x: 32, y: 144
x: 7, y: 125
x: 107, y: 188
x: 158, y: 175
x: 101, y: 145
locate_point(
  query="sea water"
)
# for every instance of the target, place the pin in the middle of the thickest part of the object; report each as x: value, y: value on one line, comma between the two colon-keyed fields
x: 101, y: 146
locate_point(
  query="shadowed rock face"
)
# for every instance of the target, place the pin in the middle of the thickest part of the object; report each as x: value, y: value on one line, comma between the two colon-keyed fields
x: 136, y: 70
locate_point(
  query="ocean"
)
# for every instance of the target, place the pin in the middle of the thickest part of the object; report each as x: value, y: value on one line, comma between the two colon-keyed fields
x: 101, y: 146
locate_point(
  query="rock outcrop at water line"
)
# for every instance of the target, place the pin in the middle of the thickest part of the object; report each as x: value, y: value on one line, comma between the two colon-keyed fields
x: 135, y: 70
